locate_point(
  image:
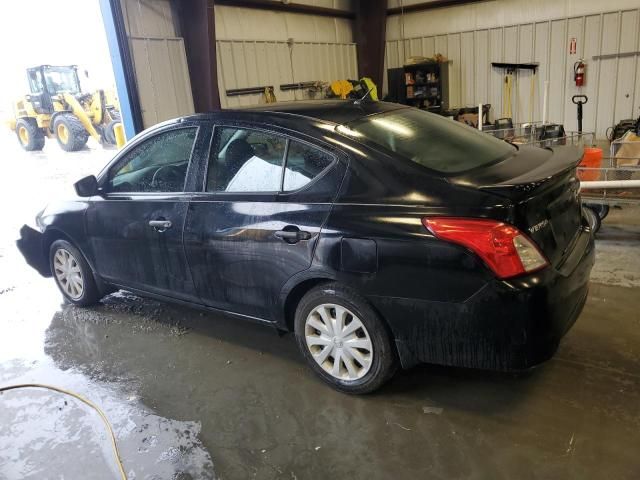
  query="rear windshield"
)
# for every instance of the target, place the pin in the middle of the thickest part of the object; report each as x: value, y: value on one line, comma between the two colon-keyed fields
x: 430, y: 140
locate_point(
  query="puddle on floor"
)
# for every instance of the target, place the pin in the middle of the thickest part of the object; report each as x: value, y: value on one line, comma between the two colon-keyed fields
x: 46, y: 434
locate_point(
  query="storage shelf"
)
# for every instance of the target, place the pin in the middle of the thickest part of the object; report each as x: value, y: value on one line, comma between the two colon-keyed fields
x: 516, y: 66
x: 420, y: 84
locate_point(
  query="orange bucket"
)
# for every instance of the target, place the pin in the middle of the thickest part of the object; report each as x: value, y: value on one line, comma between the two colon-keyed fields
x: 592, y: 159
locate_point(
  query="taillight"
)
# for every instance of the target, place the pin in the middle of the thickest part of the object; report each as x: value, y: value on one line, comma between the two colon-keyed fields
x: 502, y: 247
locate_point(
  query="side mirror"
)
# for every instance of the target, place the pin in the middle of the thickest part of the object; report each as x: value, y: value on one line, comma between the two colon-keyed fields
x: 87, y: 186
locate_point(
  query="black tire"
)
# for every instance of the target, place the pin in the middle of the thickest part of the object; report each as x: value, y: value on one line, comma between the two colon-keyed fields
x: 595, y: 222
x: 384, y: 359
x: 601, y: 209
x: 76, y: 135
x: 89, y: 294
x: 109, y: 133
x: 31, y: 137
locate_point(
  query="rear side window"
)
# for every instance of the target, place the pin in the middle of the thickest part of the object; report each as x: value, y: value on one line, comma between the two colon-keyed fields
x: 304, y: 163
x: 430, y: 140
x: 248, y: 160
x: 245, y: 160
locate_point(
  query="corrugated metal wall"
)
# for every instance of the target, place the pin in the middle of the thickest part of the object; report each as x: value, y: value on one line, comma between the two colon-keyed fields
x: 159, y: 58
x: 253, y: 50
x: 612, y: 84
x: 162, y: 76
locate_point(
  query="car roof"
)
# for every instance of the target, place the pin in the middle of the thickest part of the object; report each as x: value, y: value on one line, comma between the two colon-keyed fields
x: 333, y: 111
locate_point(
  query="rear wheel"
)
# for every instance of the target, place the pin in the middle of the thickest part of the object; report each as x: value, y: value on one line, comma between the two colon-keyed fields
x: 70, y: 132
x: 595, y: 221
x: 344, y: 340
x: 29, y: 135
x: 72, y: 274
x: 601, y: 209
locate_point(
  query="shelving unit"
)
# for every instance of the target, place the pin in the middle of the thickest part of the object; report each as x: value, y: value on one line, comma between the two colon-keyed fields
x: 426, y: 85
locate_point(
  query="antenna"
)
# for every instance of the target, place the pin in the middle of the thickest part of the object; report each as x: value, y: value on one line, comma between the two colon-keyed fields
x: 359, y: 100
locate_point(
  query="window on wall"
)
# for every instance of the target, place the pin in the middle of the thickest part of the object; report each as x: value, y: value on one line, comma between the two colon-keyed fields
x: 157, y: 165
x: 247, y: 160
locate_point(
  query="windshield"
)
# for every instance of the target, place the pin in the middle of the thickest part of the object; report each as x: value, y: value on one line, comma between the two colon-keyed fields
x: 61, y: 79
x: 430, y: 140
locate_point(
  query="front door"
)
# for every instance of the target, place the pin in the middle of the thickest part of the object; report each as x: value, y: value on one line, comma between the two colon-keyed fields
x: 135, y: 227
x: 252, y: 229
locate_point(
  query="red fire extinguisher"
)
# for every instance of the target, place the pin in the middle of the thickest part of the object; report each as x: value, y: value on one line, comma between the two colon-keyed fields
x: 578, y: 73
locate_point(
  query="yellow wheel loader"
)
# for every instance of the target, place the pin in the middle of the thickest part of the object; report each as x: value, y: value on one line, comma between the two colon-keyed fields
x: 57, y: 107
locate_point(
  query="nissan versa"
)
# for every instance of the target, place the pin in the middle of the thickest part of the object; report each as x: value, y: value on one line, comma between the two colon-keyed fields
x: 381, y: 235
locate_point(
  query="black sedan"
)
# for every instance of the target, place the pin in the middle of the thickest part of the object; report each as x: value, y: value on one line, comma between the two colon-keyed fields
x: 381, y: 235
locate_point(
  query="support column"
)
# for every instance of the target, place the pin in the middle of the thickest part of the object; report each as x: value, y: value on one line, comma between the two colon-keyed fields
x: 370, y: 33
x: 198, y: 28
x: 122, y: 67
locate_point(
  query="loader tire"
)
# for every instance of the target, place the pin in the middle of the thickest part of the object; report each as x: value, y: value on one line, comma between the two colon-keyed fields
x: 70, y: 132
x: 31, y: 137
x: 109, y: 133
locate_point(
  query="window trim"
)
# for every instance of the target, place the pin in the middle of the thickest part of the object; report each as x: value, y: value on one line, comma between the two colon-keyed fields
x: 122, y: 160
x: 285, y: 159
x: 288, y: 139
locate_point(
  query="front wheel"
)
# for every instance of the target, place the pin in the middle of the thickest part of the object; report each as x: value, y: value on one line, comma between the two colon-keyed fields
x: 344, y: 340
x: 72, y: 274
x: 71, y: 134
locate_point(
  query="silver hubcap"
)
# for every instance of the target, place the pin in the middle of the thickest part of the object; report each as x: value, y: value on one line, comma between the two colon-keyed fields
x: 338, y: 342
x: 68, y: 273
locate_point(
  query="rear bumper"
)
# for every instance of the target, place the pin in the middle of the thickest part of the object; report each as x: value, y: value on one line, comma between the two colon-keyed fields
x: 31, y: 246
x: 506, y: 325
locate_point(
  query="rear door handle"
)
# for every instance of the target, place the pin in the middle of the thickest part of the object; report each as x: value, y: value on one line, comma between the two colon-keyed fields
x: 293, y: 236
x: 160, y: 225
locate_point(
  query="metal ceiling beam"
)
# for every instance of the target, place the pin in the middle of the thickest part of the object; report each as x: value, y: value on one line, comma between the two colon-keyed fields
x: 287, y: 7
x: 419, y: 7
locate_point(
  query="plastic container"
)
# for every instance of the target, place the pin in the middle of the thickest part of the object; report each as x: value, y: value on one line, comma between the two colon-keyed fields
x: 592, y: 159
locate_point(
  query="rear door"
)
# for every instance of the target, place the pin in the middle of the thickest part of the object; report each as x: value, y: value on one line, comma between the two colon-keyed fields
x: 255, y: 225
x: 135, y: 227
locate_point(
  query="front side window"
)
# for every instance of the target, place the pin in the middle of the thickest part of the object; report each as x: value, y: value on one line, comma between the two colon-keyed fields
x: 430, y: 140
x: 62, y: 79
x: 245, y: 160
x: 157, y: 165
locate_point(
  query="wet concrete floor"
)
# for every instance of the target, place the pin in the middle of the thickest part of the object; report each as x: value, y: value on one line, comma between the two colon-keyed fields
x: 193, y: 395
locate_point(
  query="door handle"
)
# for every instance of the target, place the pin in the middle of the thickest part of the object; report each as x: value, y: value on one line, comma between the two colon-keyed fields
x: 160, y: 225
x: 293, y: 236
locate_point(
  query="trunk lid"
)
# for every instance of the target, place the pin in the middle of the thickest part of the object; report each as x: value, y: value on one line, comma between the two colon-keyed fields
x: 544, y: 192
